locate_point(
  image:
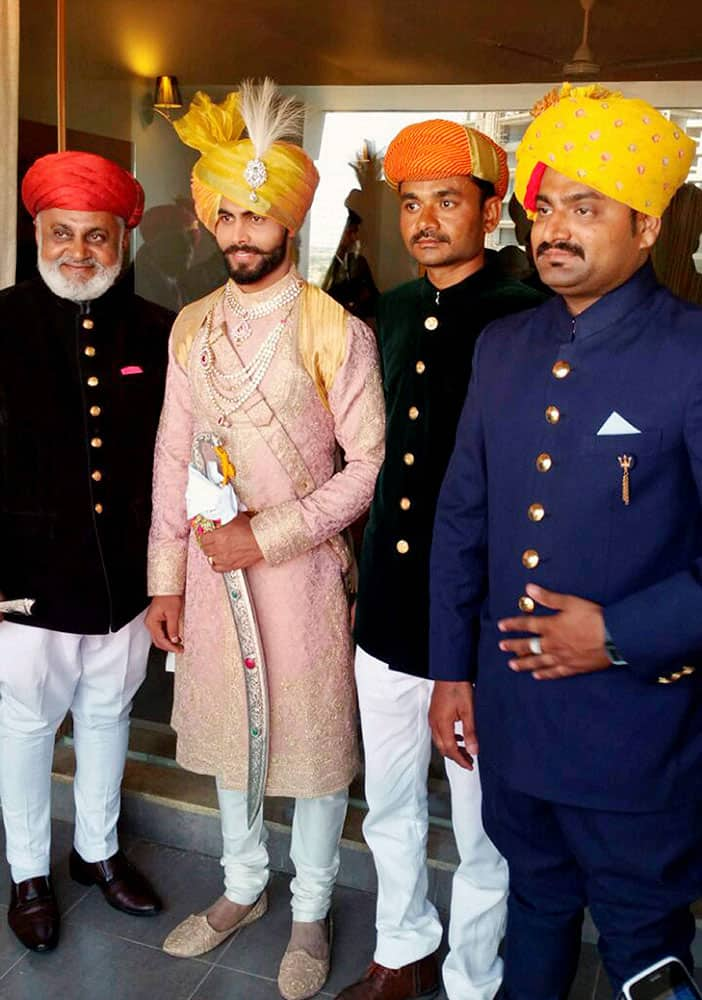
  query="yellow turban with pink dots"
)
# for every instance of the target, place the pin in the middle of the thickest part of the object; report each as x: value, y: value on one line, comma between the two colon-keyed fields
x: 260, y: 171
x: 619, y: 146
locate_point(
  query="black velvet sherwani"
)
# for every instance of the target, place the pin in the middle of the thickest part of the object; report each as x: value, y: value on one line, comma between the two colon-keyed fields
x: 426, y: 340
x: 81, y: 387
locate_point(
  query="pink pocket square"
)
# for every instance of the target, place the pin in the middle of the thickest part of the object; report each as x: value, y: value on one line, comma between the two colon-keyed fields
x: 132, y: 370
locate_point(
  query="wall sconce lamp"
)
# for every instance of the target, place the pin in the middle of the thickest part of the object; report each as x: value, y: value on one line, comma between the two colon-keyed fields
x: 166, y: 96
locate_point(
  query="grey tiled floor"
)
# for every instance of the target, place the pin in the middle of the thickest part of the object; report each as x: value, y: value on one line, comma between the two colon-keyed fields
x: 106, y: 954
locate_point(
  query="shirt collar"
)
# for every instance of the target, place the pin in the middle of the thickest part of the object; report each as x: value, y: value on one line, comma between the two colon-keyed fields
x: 612, y: 308
x: 468, y: 286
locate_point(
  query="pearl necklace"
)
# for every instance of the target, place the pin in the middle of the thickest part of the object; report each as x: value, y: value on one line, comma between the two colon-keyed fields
x: 238, y: 386
x: 246, y: 314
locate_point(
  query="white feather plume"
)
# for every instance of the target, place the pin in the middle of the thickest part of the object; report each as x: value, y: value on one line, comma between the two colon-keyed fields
x: 268, y: 115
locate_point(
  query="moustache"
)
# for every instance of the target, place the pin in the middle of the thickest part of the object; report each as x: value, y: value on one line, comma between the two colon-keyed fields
x: 428, y: 235
x: 573, y: 248
x: 246, y: 247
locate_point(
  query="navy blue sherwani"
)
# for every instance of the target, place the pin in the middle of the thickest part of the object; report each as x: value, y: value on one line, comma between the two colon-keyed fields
x: 592, y: 784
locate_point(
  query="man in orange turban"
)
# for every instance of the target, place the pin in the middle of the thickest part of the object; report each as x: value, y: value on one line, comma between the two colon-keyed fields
x: 568, y: 542
x: 450, y: 180
x: 82, y: 374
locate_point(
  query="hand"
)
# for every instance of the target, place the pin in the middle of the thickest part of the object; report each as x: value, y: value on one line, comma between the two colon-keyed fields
x: 232, y: 546
x: 452, y: 702
x: 572, y: 641
x: 163, y: 622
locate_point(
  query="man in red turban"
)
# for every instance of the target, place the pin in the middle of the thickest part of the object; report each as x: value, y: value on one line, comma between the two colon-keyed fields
x: 81, y: 382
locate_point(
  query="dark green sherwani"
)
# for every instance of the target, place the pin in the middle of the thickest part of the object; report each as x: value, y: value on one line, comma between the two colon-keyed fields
x: 426, y: 339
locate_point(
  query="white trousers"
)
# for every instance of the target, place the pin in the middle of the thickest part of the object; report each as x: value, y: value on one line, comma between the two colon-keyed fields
x: 314, y: 850
x: 43, y: 674
x: 397, y: 742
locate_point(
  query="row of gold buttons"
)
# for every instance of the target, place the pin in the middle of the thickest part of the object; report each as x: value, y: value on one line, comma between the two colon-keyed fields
x: 402, y: 545
x: 544, y: 463
x: 94, y: 410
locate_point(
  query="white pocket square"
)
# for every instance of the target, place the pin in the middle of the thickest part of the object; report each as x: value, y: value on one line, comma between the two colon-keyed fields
x: 616, y: 424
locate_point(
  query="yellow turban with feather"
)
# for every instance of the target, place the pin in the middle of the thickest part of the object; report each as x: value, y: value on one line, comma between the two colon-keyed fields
x: 619, y: 146
x: 262, y: 172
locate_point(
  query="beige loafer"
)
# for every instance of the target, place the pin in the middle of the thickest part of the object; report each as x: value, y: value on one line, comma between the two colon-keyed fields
x: 302, y: 976
x: 196, y: 936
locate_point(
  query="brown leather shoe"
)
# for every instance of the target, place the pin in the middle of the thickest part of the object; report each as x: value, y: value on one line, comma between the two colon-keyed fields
x: 410, y: 982
x: 33, y: 915
x: 121, y: 884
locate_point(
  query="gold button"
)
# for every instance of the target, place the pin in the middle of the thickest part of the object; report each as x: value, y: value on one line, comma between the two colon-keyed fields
x: 95, y: 411
x: 664, y: 680
x: 688, y: 670
x: 526, y: 604
x: 553, y: 414
x: 420, y: 368
x: 88, y: 324
x: 402, y: 546
x: 530, y: 558
x: 413, y: 413
x: 544, y: 462
x: 89, y: 351
x: 96, y: 442
x: 536, y: 512
x: 431, y: 323
x: 405, y: 503
x: 676, y: 675
x: 96, y: 475
x: 93, y: 381
x: 99, y: 508
x: 561, y: 369
x: 408, y: 458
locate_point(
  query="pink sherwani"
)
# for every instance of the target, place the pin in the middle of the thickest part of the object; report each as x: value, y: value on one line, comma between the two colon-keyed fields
x: 298, y: 588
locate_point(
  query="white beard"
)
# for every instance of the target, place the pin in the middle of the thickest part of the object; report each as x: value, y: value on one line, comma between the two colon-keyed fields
x: 78, y: 289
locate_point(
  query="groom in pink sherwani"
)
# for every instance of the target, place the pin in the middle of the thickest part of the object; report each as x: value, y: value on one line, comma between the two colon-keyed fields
x: 288, y: 381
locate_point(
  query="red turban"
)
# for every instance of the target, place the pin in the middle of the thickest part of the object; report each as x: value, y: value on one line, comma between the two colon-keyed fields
x: 82, y: 182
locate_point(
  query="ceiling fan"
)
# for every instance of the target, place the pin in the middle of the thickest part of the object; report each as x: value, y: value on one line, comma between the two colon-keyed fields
x: 583, y: 64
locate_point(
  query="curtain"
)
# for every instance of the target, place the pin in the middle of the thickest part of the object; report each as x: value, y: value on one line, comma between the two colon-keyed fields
x: 9, y: 87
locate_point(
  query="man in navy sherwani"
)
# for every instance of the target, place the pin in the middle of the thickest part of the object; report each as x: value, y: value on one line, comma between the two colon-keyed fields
x: 567, y: 561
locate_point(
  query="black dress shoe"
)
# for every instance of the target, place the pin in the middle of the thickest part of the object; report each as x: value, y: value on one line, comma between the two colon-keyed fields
x: 33, y: 915
x: 121, y: 884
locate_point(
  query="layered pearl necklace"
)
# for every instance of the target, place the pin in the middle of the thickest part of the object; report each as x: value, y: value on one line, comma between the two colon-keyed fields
x: 228, y: 391
x: 246, y: 314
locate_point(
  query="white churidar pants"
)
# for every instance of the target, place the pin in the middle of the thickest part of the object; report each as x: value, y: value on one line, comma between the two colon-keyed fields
x: 397, y: 742
x: 43, y: 674
x: 314, y: 850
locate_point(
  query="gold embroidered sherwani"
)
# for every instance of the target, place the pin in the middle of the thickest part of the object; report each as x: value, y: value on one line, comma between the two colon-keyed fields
x: 284, y: 442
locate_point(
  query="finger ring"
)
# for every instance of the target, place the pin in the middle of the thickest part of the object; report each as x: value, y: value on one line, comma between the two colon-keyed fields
x: 535, y: 645
x: 210, y: 560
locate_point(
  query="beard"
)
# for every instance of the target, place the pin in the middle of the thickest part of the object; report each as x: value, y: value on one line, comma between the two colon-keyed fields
x: 268, y: 261
x: 79, y: 289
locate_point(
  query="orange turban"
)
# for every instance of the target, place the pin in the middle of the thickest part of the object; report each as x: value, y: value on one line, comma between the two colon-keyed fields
x: 82, y: 182
x: 438, y: 148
